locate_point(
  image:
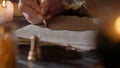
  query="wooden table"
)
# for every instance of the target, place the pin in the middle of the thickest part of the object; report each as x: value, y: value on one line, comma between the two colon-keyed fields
x: 88, y: 60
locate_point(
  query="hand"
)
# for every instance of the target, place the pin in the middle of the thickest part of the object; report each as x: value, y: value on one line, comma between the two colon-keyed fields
x: 34, y: 13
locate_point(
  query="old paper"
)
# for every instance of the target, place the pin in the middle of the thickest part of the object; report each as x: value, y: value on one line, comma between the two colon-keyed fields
x: 79, y: 39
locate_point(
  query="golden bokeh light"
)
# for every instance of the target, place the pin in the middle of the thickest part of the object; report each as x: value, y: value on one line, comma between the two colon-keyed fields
x: 117, y: 25
x: 3, y: 4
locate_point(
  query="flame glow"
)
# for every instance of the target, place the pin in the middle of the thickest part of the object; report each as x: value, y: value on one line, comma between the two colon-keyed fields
x: 3, y: 4
x: 117, y: 25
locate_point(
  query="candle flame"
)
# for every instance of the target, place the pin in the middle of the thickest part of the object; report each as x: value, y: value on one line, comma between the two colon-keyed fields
x: 117, y: 25
x: 3, y: 4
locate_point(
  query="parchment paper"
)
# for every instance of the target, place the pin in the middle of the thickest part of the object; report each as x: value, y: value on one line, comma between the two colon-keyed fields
x: 81, y: 39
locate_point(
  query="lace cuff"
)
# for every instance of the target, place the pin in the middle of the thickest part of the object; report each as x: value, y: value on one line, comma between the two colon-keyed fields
x: 73, y: 4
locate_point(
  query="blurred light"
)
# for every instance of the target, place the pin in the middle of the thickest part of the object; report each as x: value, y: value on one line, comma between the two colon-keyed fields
x: 117, y: 25
x: 3, y: 4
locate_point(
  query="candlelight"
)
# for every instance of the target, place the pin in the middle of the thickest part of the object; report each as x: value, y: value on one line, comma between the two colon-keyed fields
x: 117, y: 25
x: 3, y: 4
x: 6, y: 11
x: 7, y: 47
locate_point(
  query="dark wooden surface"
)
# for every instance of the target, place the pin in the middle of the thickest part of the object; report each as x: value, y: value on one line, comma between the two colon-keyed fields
x: 86, y: 60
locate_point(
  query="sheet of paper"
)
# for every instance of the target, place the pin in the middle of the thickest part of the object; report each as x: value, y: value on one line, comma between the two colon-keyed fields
x: 79, y: 39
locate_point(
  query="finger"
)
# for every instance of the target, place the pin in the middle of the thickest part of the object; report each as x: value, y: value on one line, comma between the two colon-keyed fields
x: 38, y: 1
x: 29, y: 11
x: 31, y: 4
x: 33, y: 20
x: 44, y: 7
x: 48, y: 17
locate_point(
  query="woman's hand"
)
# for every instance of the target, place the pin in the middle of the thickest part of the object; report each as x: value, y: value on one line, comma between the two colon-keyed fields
x: 34, y: 13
